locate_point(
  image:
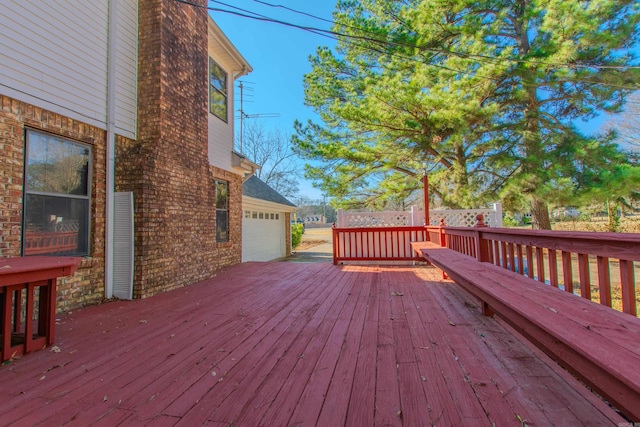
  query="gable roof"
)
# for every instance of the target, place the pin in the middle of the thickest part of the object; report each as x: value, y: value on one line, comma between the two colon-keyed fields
x: 256, y: 188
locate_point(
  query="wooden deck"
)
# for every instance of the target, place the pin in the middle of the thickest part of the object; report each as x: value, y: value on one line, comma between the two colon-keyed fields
x: 275, y: 344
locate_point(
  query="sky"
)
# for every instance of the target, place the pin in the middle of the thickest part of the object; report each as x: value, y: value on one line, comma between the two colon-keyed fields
x: 279, y: 56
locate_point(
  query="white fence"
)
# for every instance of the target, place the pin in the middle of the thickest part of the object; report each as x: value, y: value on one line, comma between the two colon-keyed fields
x: 415, y: 217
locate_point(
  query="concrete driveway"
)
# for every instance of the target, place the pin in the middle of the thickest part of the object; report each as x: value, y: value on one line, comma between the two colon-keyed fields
x: 320, y: 252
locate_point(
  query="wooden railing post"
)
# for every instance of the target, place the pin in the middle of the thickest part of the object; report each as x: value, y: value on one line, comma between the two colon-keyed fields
x: 335, y: 244
x: 443, y: 241
x: 482, y: 245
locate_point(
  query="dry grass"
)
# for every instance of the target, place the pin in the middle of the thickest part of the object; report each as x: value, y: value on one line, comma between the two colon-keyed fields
x: 627, y: 225
x: 599, y: 224
x: 309, y: 243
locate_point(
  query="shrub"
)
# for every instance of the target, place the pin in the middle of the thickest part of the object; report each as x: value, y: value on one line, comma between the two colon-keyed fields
x: 509, y: 221
x: 296, y: 234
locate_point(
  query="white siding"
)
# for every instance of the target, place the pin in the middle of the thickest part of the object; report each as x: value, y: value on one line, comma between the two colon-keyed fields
x: 127, y: 68
x: 221, y: 133
x: 54, y: 55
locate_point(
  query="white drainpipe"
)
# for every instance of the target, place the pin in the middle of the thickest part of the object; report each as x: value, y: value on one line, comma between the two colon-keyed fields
x: 111, y: 147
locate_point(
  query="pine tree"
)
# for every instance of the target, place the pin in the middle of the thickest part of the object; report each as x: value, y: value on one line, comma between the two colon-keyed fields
x: 482, y: 93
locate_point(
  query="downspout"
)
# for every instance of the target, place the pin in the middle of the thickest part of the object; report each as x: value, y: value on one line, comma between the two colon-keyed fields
x: 111, y: 147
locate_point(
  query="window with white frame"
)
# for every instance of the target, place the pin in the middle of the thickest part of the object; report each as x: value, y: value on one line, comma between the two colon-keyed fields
x: 217, y: 91
x: 57, y: 196
x: 222, y: 211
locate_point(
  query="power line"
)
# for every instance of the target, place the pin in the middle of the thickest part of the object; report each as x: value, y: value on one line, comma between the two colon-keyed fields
x: 294, y: 11
x: 386, y: 43
x: 411, y: 46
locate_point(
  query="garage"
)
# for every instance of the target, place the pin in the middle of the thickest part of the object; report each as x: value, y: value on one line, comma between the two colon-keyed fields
x: 265, y: 222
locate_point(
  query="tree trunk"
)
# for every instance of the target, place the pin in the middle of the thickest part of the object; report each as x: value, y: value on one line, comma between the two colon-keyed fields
x: 540, y: 214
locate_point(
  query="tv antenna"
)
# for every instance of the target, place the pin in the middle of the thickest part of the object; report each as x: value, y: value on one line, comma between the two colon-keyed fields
x: 244, y: 115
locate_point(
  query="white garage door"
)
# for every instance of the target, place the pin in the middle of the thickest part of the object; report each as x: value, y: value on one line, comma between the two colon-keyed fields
x: 263, y: 236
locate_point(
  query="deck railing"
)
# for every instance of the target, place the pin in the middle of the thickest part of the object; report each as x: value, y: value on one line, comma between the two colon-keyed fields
x: 376, y: 244
x: 596, y: 266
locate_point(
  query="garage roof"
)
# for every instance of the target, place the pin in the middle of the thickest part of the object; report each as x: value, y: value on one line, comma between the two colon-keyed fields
x: 256, y: 188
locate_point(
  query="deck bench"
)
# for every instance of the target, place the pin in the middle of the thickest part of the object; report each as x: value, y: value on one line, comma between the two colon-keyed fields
x: 36, y: 276
x: 599, y: 345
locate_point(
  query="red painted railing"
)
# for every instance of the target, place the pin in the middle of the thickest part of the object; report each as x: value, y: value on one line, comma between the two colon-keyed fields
x: 376, y: 243
x: 597, y: 266
x: 28, y: 302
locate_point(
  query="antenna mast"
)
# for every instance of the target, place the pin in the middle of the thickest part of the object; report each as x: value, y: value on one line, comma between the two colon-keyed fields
x: 244, y: 115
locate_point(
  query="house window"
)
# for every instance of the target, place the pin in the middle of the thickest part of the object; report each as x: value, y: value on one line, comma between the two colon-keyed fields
x: 222, y: 211
x: 217, y: 90
x: 57, y: 196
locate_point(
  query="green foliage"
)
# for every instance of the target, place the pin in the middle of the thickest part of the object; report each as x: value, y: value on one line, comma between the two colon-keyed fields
x: 297, y: 230
x: 480, y: 93
x: 613, y: 218
x: 510, y: 221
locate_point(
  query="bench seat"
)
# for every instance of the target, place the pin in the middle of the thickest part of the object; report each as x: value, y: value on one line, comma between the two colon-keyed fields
x: 599, y: 345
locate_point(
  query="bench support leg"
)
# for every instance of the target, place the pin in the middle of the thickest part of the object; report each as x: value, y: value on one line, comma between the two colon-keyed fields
x: 486, y: 310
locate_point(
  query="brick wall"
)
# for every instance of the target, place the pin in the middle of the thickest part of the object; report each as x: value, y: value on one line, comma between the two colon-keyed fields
x: 230, y: 253
x: 167, y: 167
x: 87, y: 285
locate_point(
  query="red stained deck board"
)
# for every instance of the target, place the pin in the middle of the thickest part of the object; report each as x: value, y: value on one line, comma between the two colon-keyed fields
x: 109, y: 342
x: 362, y: 357
x: 569, y: 402
x: 514, y: 385
x: 312, y: 399
x: 283, y: 406
x: 267, y: 367
x: 481, y: 368
x: 341, y: 392
x: 217, y: 396
x: 199, y: 394
x: 448, y: 366
x: 119, y: 387
x: 362, y: 402
x: 426, y: 338
x: 388, y: 412
x: 226, y: 397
